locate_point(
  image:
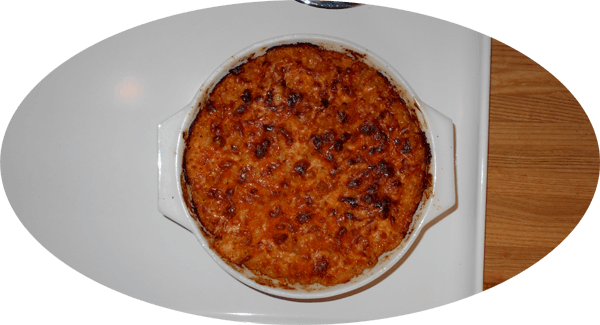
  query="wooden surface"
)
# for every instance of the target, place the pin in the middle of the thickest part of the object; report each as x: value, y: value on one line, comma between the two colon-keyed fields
x: 543, y: 165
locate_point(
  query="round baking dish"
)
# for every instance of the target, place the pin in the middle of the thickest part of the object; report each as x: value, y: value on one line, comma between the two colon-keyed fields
x: 437, y: 199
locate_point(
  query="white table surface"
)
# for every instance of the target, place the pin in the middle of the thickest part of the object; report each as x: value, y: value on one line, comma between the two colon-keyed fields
x: 79, y: 158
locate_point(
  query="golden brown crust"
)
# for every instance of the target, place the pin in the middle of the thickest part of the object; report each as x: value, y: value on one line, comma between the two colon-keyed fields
x: 305, y: 165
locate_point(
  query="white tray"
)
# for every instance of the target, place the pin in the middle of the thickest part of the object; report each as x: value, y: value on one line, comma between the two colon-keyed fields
x: 79, y: 159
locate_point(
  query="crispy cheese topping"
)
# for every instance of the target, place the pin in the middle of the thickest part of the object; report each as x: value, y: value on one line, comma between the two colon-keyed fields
x: 305, y: 165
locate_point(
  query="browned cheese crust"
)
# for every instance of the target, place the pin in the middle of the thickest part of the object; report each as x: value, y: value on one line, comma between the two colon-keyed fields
x: 305, y: 165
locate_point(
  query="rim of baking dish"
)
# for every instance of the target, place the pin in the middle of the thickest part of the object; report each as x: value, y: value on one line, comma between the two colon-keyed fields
x: 388, y: 259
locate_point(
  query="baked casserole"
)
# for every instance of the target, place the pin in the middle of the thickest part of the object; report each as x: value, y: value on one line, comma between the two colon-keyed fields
x: 305, y: 165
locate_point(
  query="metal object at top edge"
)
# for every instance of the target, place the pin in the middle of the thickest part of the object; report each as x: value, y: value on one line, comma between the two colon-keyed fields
x: 329, y: 4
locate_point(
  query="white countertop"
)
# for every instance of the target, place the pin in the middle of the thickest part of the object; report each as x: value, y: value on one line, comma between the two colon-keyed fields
x: 79, y: 158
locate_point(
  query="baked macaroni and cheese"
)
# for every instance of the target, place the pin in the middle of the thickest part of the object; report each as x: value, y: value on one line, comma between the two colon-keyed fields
x: 305, y: 165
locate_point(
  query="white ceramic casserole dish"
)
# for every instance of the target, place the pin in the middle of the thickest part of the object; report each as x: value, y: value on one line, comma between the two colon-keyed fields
x: 437, y: 127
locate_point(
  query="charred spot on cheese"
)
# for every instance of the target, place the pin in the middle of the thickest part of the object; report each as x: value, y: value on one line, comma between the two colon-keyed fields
x: 261, y: 148
x: 303, y: 217
x: 367, y: 198
x: 301, y: 166
x: 338, y: 145
x: 236, y: 71
x: 243, y: 174
x: 406, y: 146
x: 270, y: 168
x: 219, y: 140
x: 350, y: 200
x: 246, y: 96
x: 293, y: 99
x: 321, y: 265
x: 426, y: 146
x: 239, y: 127
x: 342, y: 117
x: 230, y: 211
x: 210, y: 107
x: 289, y: 140
x: 215, y: 193
x: 226, y: 164
x: 329, y: 156
x: 367, y: 128
x: 350, y: 216
x: 317, y: 142
x: 280, y: 239
x: 383, y: 204
x: 275, y: 211
x: 309, y: 200
x: 309, y: 155
x: 385, y: 169
x: 355, y: 182
x: 328, y: 136
x: 240, y: 110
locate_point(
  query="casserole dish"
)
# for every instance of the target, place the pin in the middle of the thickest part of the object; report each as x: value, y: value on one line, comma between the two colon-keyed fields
x: 438, y: 197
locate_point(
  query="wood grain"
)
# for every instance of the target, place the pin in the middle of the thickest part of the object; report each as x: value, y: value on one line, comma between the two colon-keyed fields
x: 543, y: 165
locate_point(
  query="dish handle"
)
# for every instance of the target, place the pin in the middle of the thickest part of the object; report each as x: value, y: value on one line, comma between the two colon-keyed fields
x: 170, y: 201
x: 442, y: 144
